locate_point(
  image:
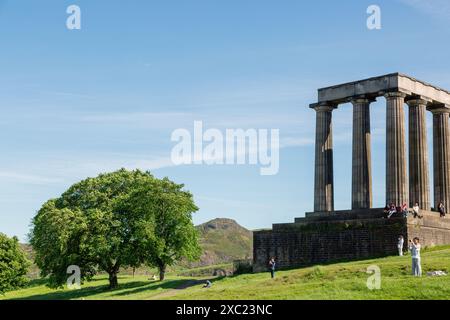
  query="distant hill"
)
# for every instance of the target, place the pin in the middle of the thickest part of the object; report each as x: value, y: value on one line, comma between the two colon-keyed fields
x: 224, y: 240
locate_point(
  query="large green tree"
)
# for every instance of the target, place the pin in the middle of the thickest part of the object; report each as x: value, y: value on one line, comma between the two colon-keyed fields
x: 169, y: 208
x: 13, y: 264
x: 96, y: 226
x: 83, y: 228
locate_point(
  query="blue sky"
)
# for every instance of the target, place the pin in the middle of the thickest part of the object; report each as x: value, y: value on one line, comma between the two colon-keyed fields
x: 77, y: 103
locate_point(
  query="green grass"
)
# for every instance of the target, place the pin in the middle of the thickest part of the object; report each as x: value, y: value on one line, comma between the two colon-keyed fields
x: 337, y: 281
x: 134, y: 288
x: 334, y: 281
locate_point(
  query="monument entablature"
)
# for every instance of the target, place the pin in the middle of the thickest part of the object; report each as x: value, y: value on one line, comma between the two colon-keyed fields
x: 375, y: 87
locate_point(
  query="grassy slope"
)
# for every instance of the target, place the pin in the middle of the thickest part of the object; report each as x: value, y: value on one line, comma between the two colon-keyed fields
x: 336, y: 281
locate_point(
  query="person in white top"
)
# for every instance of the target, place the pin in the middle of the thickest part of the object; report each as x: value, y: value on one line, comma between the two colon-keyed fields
x: 416, y: 211
x: 400, y: 243
x: 414, y: 248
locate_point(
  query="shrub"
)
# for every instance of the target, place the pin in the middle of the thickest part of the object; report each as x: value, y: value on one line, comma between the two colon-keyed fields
x: 13, y: 264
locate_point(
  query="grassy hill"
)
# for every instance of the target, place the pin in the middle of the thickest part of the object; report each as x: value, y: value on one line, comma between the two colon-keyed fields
x: 224, y: 240
x: 334, y: 281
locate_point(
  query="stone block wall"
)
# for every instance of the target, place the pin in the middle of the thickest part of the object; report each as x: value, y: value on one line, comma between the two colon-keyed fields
x: 431, y: 230
x: 318, y: 240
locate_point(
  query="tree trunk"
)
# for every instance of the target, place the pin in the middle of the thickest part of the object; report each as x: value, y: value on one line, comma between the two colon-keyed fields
x: 162, y: 272
x: 113, y: 283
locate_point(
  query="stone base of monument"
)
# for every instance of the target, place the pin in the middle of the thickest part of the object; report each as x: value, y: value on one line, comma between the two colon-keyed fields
x: 321, y: 238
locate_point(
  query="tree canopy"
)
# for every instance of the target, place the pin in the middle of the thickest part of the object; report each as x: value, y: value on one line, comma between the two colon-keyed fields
x: 169, y: 210
x: 13, y: 264
x: 111, y: 222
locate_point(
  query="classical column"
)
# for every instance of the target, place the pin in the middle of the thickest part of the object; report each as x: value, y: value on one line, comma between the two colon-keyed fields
x: 323, y: 185
x: 419, y: 186
x: 396, y: 178
x: 441, y: 157
x: 361, y: 159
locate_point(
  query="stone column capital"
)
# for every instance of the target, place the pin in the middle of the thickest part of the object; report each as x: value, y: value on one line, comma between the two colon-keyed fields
x: 417, y: 102
x: 397, y: 94
x: 362, y: 100
x: 441, y: 110
x: 324, y: 107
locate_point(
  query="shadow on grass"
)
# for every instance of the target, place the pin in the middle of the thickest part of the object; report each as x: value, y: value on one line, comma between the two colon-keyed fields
x: 36, y: 283
x: 67, y: 294
x: 168, y: 284
x: 123, y: 290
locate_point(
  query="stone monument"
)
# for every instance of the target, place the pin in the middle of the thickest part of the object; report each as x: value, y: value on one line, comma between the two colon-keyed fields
x: 326, y: 235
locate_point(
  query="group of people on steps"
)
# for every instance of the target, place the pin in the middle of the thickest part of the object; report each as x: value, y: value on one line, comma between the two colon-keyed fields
x: 403, y: 210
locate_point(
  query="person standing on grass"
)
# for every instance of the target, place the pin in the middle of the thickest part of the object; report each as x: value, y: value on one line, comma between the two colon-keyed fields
x: 414, y: 248
x: 400, y: 243
x: 272, y: 265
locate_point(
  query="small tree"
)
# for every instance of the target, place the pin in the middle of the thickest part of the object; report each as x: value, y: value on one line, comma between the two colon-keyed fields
x: 83, y: 228
x: 13, y: 264
x: 169, y: 208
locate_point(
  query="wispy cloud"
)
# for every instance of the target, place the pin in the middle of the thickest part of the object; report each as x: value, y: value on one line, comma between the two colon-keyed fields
x: 210, y: 118
x: 232, y: 203
x: 132, y: 117
x: 96, y: 167
x: 28, y: 178
x: 435, y: 8
x: 288, y: 142
x: 153, y: 120
x: 68, y: 168
x: 64, y: 94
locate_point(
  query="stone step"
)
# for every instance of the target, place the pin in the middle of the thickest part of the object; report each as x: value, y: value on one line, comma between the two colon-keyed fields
x: 307, y: 224
x: 343, y: 215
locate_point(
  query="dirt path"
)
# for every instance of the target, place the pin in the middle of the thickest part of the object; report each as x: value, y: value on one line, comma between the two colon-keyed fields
x: 173, y: 292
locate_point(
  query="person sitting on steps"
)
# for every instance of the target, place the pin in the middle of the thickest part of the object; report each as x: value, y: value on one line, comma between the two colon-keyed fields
x: 405, y: 210
x: 441, y: 209
x: 392, y: 210
x: 386, y: 211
